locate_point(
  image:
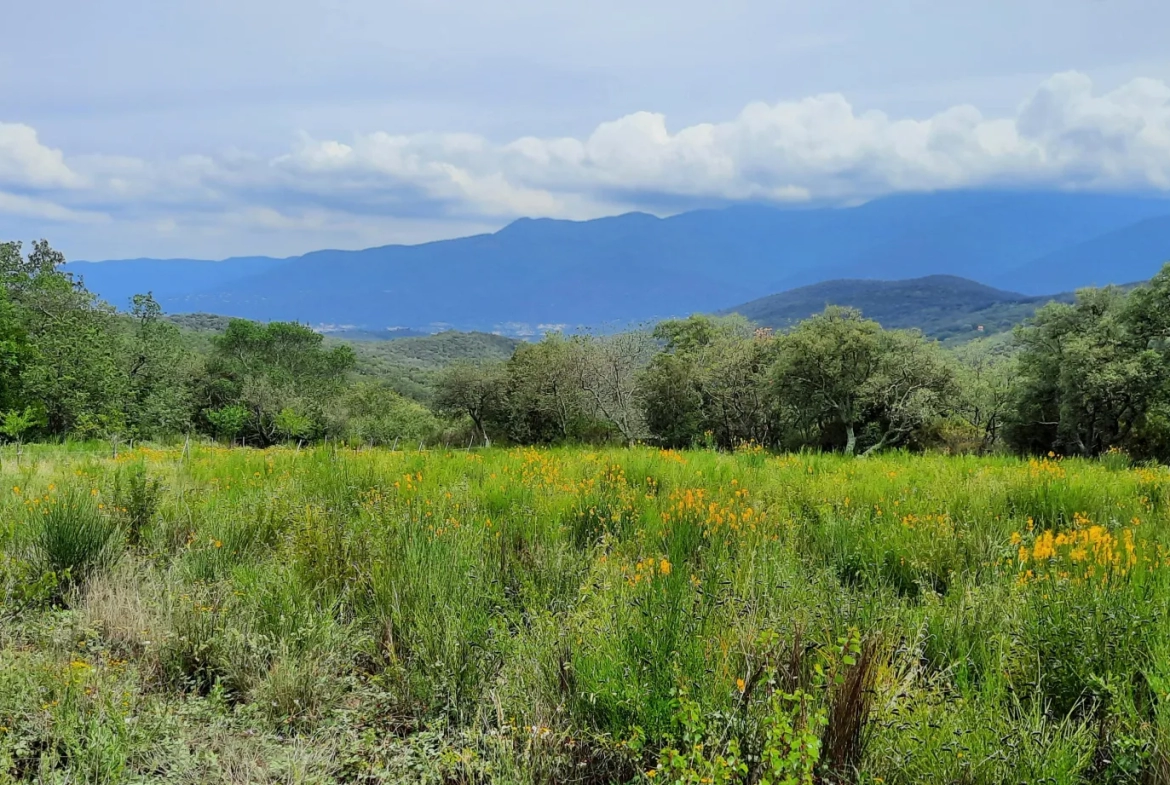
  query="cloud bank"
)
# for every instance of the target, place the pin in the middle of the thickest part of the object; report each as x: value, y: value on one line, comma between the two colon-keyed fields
x: 1065, y: 135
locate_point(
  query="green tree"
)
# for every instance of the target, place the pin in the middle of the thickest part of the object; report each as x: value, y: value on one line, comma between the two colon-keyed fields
x: 607, y: 369
x: 160, y: 372
x: 713, y: 376
x: 15, y: 423
x: 474, y: 390
x: 985, y: 377
x: 826, y: 364
x: 270, y: 368
x: 1091, y: 371
x: 377, y: 415
x: 739, y: 403
x: 228, y: 422
x: 543, y: 401
x: 291, y: 425
x: 672, y: 400
x: 76, y: 372
x: 840, y: 370
x: 912, y: 385
x: 17, y: 353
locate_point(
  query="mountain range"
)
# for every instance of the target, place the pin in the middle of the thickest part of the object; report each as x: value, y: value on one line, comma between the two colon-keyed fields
x: 535, y: 273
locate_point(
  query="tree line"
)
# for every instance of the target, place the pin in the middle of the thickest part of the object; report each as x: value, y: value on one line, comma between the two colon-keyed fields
x: 1077, y: 379
x: 72, y: 366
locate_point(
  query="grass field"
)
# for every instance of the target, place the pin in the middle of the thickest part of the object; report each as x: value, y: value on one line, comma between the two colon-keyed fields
x: 566, y: 616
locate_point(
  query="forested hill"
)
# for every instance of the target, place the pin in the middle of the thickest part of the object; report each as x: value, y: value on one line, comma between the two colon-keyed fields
x: 948, y: 308
x: 412, y: 365
x: 945, y: 307
x: 391, y: 347
x: 637, y: 267
x: 408, y: 363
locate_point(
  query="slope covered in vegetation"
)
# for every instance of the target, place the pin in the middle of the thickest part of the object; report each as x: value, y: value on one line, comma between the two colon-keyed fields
x: 412, y: 365
x: 945, y: 307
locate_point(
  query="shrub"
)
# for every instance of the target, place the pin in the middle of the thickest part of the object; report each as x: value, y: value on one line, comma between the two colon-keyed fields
x: 137, y: 496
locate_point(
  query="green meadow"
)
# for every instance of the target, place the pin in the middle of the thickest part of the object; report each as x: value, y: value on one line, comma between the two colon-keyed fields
x: 581, y: 616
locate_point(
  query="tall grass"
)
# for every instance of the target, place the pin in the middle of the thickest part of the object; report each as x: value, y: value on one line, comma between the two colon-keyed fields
x: 566, y: 615
x: 75, y: 539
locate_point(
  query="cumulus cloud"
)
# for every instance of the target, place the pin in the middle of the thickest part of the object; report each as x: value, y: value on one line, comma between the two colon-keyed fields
x: 25, y: 162
x: 1065, y: 136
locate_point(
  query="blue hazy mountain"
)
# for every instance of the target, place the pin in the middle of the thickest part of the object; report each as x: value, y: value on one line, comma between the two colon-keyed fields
x: 636, y: 266
x: 1106, y: 259
x: 118, y: 281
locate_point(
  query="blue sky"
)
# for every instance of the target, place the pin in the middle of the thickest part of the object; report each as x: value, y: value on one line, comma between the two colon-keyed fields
x: 217, y: 128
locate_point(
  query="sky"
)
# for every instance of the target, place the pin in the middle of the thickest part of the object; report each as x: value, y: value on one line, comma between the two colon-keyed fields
x: 216, y: 128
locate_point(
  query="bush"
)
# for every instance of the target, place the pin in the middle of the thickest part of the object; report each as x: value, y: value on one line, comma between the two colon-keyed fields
x: 137, y: 497
x: 379, y: 416
x: 955, y: 436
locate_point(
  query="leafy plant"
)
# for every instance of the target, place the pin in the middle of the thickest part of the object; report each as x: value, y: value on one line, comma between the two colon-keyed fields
x: 137, y: 497
x: 228, y: 421
x: 16, y: 423
x: 293, y: 425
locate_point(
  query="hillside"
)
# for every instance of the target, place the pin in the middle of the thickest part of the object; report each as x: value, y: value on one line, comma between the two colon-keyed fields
x: 410, y: 365
x: 948, y: 308
x: 1099, y: 261
x: 200, y: 322
x: 407, y: 363
x: 431, y: 352
x: 534, y: 274
x: 945, y: 307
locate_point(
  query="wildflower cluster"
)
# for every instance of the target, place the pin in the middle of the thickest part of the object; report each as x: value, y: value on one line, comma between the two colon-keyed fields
x: 1046, y: 469
x: 1087, y: 550
x: 727, y: 511
x: 647, y: 569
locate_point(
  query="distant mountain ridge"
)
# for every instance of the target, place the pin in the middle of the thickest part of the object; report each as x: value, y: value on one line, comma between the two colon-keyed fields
x: 536, y: 273
x: 945, y: 307
x: 118, y: 281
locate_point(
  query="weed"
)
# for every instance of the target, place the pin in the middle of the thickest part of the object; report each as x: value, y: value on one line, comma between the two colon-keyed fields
x: 74, y: 538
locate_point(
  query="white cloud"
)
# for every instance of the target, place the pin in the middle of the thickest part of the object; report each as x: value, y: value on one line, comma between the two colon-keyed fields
x: 457, y: 168
x: 1063, y: 136
x: 25, y: 162
x: 29, y: 207
x: 1118, y: 139
x: 820, y: 147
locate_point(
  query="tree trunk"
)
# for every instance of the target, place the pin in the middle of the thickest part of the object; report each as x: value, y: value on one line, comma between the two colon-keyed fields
x: 482, y: 429
x: 875, y: 447
x: 850, y: 439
